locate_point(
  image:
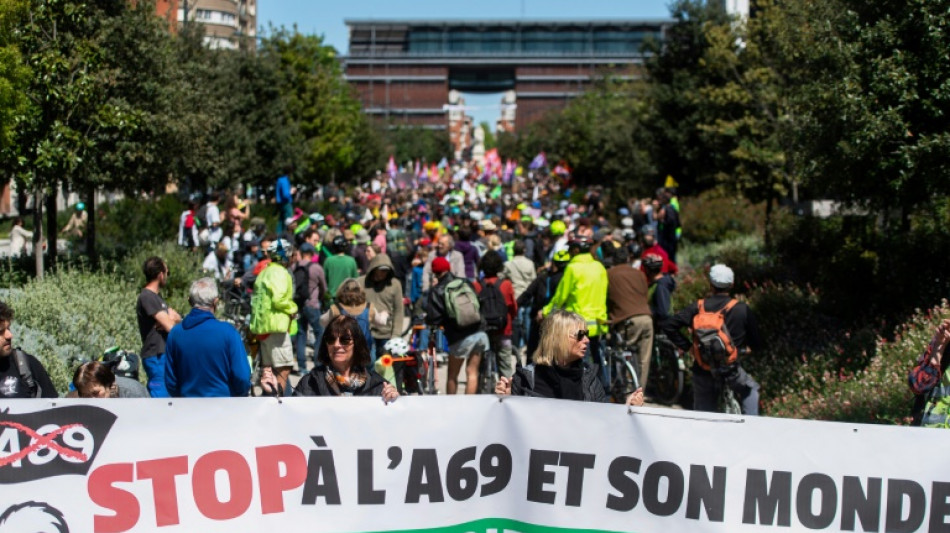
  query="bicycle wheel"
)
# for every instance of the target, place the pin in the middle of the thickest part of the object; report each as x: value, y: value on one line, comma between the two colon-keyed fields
x: 728, y: 403
x: 488, y: 374
x: 666, y: 374
x: 623, y: 379
x: 431, y: 369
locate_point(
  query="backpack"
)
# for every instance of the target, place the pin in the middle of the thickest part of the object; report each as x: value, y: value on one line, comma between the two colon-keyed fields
x: 123, y: 363
x: 301, y: 283
x: 23, y: 367
x: 461, y: 303
x: 396, y: 243
x: 712, y: 344
x: 201, y: 216
x: 493, y: 308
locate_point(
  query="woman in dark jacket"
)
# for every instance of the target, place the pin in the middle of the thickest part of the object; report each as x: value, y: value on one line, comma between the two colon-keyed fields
x: 559, y: 370
x: 343, y: 365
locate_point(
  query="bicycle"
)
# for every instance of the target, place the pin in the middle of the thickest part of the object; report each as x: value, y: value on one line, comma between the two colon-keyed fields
x: 487, y: 373
x: 621, y: 374
x: 667, y: 371
x: 430, y: 383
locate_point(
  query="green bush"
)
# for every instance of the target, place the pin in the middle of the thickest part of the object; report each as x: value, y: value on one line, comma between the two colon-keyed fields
x: 75, y: 313
x: 128, y: 223
x: 183, y: 265
x: 718, y: 215
x: 877, y: 394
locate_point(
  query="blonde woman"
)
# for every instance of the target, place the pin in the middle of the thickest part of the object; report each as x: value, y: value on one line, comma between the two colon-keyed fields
x: 559, y: 370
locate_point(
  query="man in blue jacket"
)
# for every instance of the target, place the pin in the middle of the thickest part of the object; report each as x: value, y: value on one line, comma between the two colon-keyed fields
x: 204, y: 356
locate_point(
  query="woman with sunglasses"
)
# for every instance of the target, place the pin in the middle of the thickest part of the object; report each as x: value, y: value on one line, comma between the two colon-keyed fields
x: 342, y: 366
x: 559, y: 370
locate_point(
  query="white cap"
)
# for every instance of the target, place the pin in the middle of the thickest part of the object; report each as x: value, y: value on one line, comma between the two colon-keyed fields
x: 721, y: 276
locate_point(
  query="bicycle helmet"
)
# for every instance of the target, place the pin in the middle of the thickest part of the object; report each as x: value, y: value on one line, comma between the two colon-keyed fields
x: 653, y: 262
x: 558, y: 227
x: 397, y: 347
x: 636, y: 250
x: 562, y: 256
x: 581, y: 244
x: 279, y: 249
x: 339, y: 244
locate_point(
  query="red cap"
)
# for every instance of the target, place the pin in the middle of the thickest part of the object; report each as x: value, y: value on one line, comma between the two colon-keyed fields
x: 440, y: 265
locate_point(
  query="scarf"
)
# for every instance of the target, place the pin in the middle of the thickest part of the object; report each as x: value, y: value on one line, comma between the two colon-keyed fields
x: 341, y: 385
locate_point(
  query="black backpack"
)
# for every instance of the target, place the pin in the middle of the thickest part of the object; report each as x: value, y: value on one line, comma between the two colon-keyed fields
x: 491, y: 302
x: 122, y: 363
x: 301, y: 284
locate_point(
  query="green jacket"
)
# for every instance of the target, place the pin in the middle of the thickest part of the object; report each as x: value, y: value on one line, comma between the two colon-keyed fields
x: 272, y: 304
x: 583, y: 290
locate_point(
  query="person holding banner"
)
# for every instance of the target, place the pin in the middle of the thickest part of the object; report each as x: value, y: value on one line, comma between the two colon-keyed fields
x: 559, y: 370
x: 342, y: 365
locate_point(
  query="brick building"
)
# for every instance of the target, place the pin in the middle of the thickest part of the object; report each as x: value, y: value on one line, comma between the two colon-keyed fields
x: 411, y: 72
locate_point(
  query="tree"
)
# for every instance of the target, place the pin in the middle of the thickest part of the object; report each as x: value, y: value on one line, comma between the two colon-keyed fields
x: 320, y: 100
x: 874, y: 129
x: 407, y: 143
x: 675, y: 76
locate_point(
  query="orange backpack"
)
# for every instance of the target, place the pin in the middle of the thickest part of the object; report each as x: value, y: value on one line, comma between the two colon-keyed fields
x: 712, y: 343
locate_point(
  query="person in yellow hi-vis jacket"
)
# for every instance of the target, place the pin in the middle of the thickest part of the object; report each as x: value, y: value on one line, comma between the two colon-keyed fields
x: 273, y: 313
x: 583, y: 290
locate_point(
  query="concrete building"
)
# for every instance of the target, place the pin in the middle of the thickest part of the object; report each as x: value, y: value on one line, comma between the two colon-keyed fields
x: 229, y: 24
x: 410, y: 72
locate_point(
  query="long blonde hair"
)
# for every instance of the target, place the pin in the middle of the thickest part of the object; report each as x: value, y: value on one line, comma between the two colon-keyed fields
x: 557, y: 331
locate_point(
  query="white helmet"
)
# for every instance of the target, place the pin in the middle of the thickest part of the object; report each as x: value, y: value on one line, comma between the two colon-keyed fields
x: 279, y: 249
x: 397, y: 346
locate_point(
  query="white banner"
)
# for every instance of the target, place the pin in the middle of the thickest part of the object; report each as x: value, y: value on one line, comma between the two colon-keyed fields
x: 455, y: 464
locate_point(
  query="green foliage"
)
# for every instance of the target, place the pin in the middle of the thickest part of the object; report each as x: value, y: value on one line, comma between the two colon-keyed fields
x: 719, y: 215
x: 319, y: 99
x: 877, y: 394
x: 602, y: 135
x: 130, y: 222
x: 75, y: 313
x: 411, y: 143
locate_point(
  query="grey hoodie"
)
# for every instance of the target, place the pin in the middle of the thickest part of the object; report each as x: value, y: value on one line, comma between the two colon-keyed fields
x: 385, y: 296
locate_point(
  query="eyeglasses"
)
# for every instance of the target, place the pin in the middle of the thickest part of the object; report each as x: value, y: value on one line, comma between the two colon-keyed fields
x: 581, y: 334
x: 345, y: 341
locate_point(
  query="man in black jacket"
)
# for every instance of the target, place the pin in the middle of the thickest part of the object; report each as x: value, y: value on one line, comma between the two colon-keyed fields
x: 465, y: 342
x: 742, y: 329
x: 21, y: 374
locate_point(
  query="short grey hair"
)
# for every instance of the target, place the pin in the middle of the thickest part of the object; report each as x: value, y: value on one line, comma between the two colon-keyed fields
x: 203, y: 293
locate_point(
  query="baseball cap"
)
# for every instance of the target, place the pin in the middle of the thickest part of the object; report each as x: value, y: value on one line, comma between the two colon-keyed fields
x: 440, y: 265
x: 721, y: 276
x: 307, y: 248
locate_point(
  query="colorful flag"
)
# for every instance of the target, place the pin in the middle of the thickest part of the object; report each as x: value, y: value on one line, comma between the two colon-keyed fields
x: 391, y: 167
x: 539, y: 161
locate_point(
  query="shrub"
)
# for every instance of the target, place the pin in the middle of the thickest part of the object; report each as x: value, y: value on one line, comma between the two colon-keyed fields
x: 126, y: 224
x: 718, y: 215
x: 183, y: 265
x: 877, y: 394
x: 75, y: 313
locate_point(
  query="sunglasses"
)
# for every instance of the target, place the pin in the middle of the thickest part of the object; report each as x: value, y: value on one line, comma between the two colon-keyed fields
x: 581, y: 334
x: 345, y: 341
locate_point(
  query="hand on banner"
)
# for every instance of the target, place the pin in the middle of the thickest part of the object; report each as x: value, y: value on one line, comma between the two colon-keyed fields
x: 636, y: 398
x: 503, y: 387
x: 269, y: 382
x: 389, y: 393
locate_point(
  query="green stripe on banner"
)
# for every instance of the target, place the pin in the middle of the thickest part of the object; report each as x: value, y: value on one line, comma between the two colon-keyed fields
x: 498, y: 525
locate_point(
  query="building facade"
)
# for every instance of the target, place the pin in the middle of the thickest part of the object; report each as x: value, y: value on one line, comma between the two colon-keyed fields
x: 411, y: 72
x: 229, y: 24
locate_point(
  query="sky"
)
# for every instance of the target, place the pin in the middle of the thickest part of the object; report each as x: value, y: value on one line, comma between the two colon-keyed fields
x: 325, y: 17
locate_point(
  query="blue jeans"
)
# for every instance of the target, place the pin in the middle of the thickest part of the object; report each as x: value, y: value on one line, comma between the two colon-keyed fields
x: 595, y: 358
x: 521, y: 326
x: 308, y: 316
x: 155, y: 370
x: 706, y: 397
x: 439, y: 341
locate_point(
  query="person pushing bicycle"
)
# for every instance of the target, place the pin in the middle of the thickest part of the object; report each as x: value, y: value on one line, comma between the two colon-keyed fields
x: 721, y: 328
